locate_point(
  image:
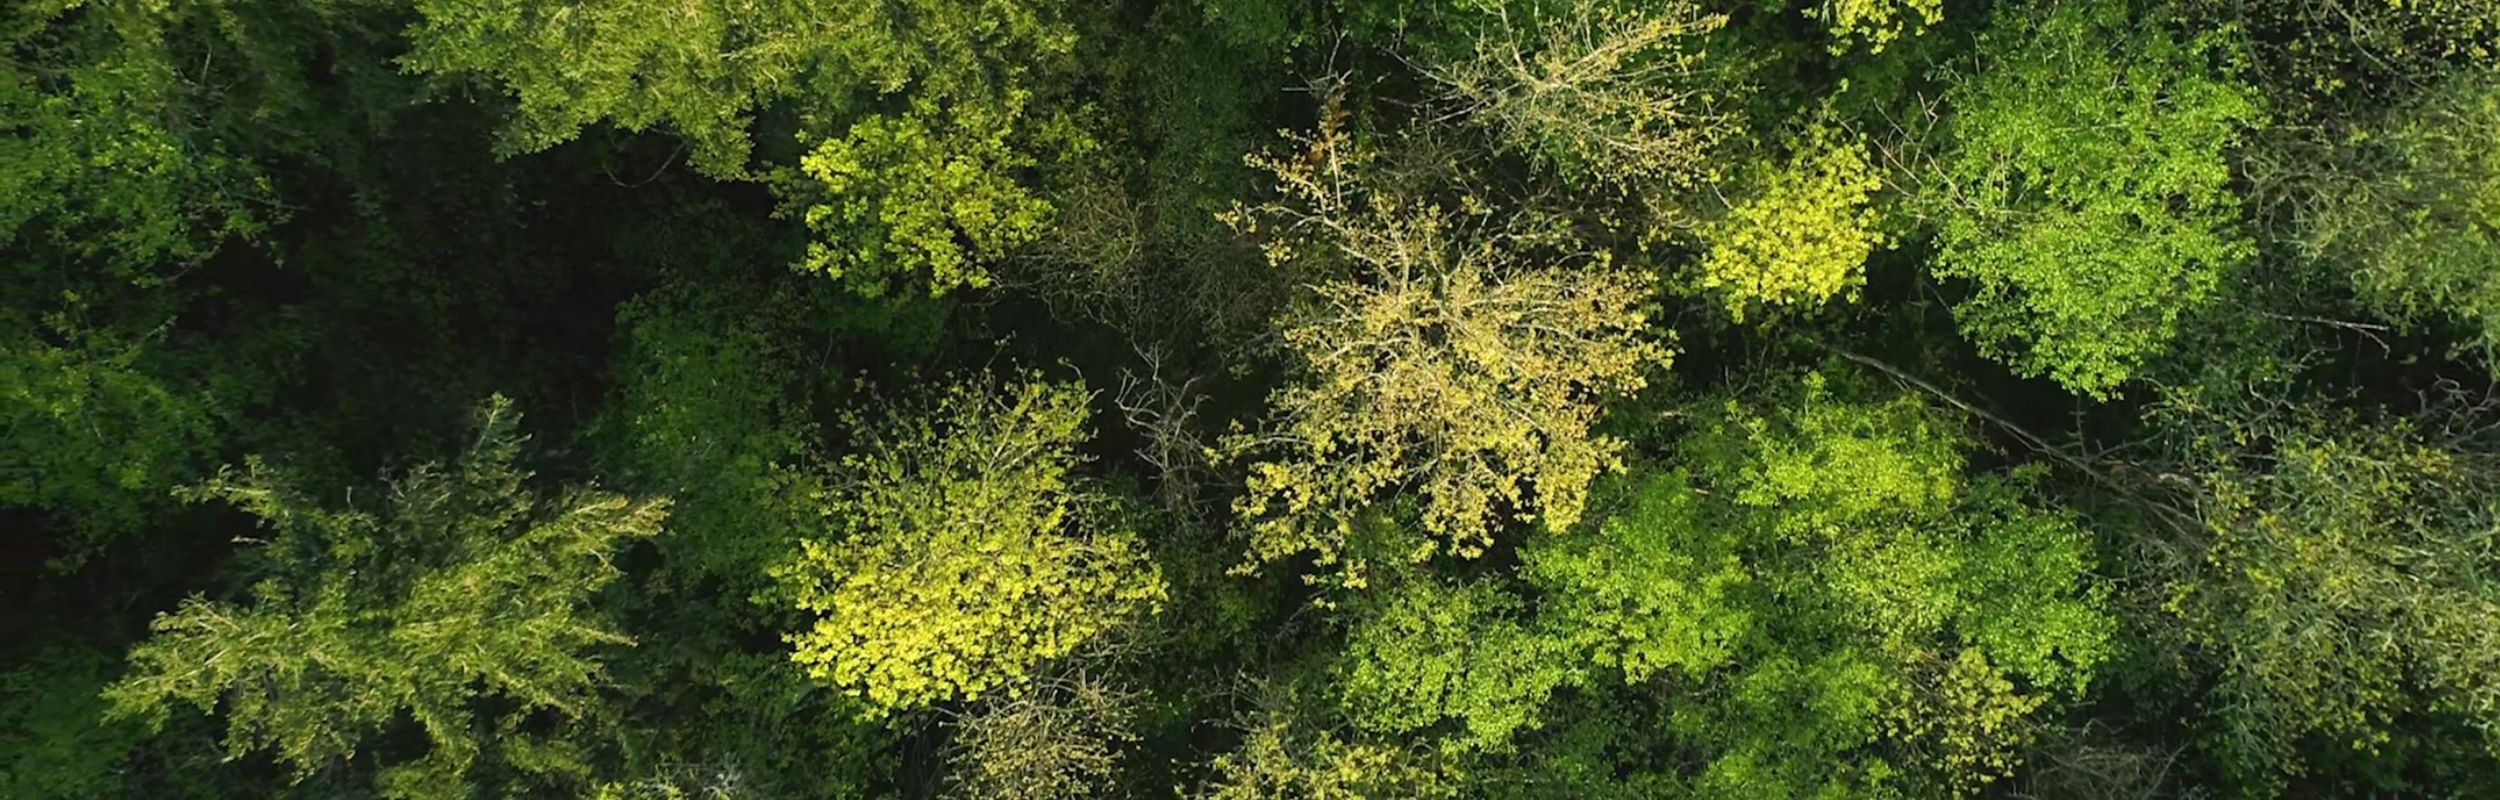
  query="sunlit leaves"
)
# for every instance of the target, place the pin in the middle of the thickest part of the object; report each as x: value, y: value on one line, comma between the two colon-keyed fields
x: 923, y: 192
x: 2086, y: 197
x: 966, y: 554
x: 1453, y: 353
x: 1430, y: 653
x: 1802, y: 237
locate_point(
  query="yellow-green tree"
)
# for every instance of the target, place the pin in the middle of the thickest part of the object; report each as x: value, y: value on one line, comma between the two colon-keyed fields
x: 965, y: 554
x: 1602, y: 92
x: 1458, y: 353
x: 1874, y: 23
x: 2086, y: 200
x: 1801, y: 236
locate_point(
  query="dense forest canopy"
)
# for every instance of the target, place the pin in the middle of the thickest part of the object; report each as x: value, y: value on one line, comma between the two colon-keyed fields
x: 642, y: 399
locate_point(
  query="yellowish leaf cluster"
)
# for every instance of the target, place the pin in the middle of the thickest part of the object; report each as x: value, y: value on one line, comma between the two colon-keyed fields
x: 1802, y: 238
x: 1603, y: 93
x: 1457, y: 355
x: 969, y: 558
x: 1875, y: 22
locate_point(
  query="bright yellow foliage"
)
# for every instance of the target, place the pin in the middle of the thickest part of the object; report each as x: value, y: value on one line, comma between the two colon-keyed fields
x: 1875, y: 22
x: 1802, y: 237
x: 968, y: 558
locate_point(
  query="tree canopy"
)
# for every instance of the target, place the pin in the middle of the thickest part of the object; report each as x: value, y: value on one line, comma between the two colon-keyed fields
x: 1509, y: 399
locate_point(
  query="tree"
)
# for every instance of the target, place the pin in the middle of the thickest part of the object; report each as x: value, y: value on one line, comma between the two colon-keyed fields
x: 1459, y: 356
x: 1285, y: 754
x: 1906, y: 620
x: 924, y: 191
x: 107, y: 167
x: 2085, y: 196
x: 1800, y: 236
x: 706, y: 69
x: 1428, y: 653
x: 1062, y: 739
x: 1649, y: 586
x: 1603, y: 93
x: 1873, y: 22
x: 463, y: 587
x: 967, y: 555
x: 2331, y: 586
x: 2410, y: 208
x: 93, y: 435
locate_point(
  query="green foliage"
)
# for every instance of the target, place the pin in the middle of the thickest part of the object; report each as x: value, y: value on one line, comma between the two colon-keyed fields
x: 1429, y: 653
x: 967, y: 555
x: 2085, y: 196
x: 703, y: 411
x: 462, y: 587
x: 93, y: 436
x: 1652, y: 586
x: 104, y: 166
x: 2339, y: 594
x: 1885, y: 579
x: 1397, y: 440
x: 53, y: 740
x: 1281, y: 756
x: 707, y: 68
x: 923, y: 191
x: 1874, y: 22
x: 1801, y: 236
x: 2413, y: 209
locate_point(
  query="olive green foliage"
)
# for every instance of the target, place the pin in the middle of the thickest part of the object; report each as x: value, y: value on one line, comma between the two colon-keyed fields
x: 51, y: 742
x: 2085, y: 194
x: 1601, y: 92
x: 1468, y: 370
x: 2339, y: 591
x: 2414, y: 211
x: 966, y: 554
x: 1802, y: 236
x: 2330, y: 57
x: 462, y: 586
x: 706, y: 69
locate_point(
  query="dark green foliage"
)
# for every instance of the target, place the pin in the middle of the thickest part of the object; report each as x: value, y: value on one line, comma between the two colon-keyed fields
x: 53, y: 742
x: 461, y: 586
x: 2333, y: 588
x: 1249, y: 399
